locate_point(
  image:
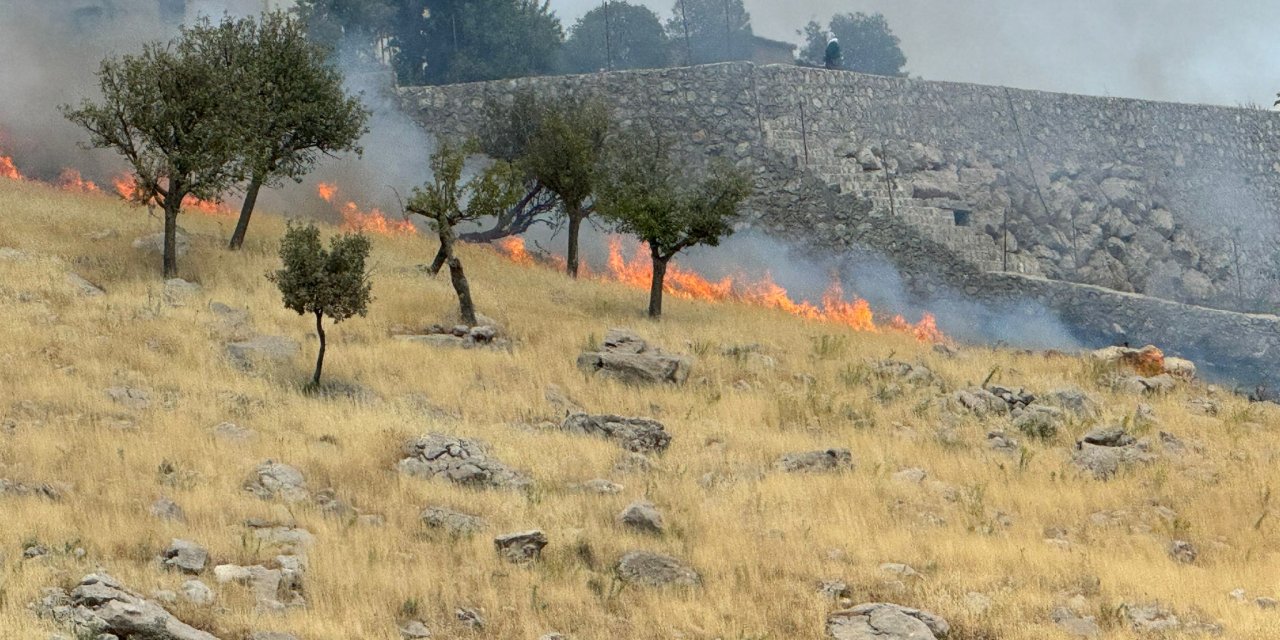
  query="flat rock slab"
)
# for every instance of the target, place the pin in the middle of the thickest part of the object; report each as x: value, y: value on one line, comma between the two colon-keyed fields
x: 100, y: 605
x: 626, y: 357
x: 453, y: 522
x: 815, y: 461
x: 655, y: 570
x: 458, y: 460
x: 247, y: 354
x: 640, y: 435
x: 883, y: 621
x: 522, y: 546
x: 271, y: 480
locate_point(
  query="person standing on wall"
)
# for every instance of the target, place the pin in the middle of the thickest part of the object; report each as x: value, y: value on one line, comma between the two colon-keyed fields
x: 832, y: 57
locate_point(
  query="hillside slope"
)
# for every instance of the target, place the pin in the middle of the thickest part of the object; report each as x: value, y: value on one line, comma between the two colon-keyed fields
x: 1004, y: 542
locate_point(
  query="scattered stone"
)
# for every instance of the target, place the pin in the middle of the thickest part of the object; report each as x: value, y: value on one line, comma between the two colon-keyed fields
x: 1076, y: 402
x: 655, y: 570
x: 913, y: 475
x: 898, y: 569
x: 84, y: 287
x: 563, y: 404
x: 834, y: 589
x: 626, y: 357
x: 154, y: 243
x: 272, y: 480
x: 641, y: 435
x: 177, y: 291
x: 816, y: 461
x: 414, y: 630
x: 271, y: 590
x: 1002, y: 442
x: 197, y: 593
x: 916, y: 375
x: 522, y: 546
x: 633, y: 463
x: 459, y: 337
x: 458, y: 460
x: 166, y: 509
x: 1266, y: 603
x: 882, y: 621
x: 1015, y: 397
x: 248, y: 354
x: 452, y: 522
x: 34, y: 550
x: 130, y: 398
x: 1237, y: 594
x: 1163, y: 383
x: 979, y: 402
x: 1183, y: 551
x: 1104, y: 452
x: 601, y: 486
x: 642, y: 516
x: 100, y: 607
x: 1109, y: 437
x: 272, y: 635
x: 185, y: 556
x: 285, y: 538
x: 1076, y: 626
x: 1039, y: 421
x: 469, y: 617
x: 1150, y: 618
x: 23, y: 490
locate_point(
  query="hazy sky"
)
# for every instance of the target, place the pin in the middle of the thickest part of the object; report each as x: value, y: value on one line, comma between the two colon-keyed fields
x: 1219, y: 52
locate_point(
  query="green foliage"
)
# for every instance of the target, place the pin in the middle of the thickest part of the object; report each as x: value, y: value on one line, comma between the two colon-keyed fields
x: 447, y: 200
x: 717, y: 31
x: 647, y: 195
x: 615, y: 35
x: 866, y: 42
x: 333, y: 282
x: 351, y: 23
x: 448, y: 41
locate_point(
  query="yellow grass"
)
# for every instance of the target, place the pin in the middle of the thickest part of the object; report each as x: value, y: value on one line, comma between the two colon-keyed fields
x: 761, y: 539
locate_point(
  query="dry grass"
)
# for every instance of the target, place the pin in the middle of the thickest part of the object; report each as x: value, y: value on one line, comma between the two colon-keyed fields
x: 761, y: 539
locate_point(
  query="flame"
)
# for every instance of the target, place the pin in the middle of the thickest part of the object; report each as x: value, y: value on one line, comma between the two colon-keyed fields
x: 71, y: 180
x: 637, y: 272
x: 126, y: 186
x: 355, y: 219
x: 1148, y: 361
x: 8, y: 169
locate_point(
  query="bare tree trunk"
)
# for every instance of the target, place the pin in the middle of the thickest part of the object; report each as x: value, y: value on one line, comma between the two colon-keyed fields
x: 466, y: 306
x: 315, y: 379
x: 172, y: 205
x: 438, y: 262
x: 655, y: 287
x: 246, y: 211
x: 575, y: 228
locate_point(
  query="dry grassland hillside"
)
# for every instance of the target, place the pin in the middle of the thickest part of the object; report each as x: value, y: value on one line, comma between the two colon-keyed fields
x: 110, y: 403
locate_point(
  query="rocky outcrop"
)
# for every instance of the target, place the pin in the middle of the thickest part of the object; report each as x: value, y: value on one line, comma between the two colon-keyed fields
x: 639, y: 435
x: 522, y: 546
x: 881, y: 621
x: 650, y: 569
x: 626, y: 357
x: 815, y: 461
x: 101, y: 605
x: 458, y: 460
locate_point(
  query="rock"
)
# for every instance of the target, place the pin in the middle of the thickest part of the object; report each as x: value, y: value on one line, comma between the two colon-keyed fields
x: 979, y: 402
x: 978, y: 604
x: 655, y: 570
x: 1163, y: 383
x: 1183, y: 551
x: 1002, y: 442
x: 1109, y: 437
x: 185, y: 556
x: 1074, y: 625
x: 899, y: 570
x: 630, y: 463
x: 916, y: 375
x: 926, y: 185
x: 166, y: 509
x: 100, y: 605
x: 285, y: 538
x: 1039, y: 421
x: 272, y: 480
x: 270, y: 587
x: 816, y: 461
x: 913, y: 475
x: 1105, y: 461
x: 1266, y: 603
x: 414, y: 630
x: 626, y: 357
x: 469, y: 617
x: 84, y: 287
x: 230, y: 323
x: 249, y: 354
x: 177, y: 291
x: 197, y: 593
x: 22, y: 489
x: 554, y: 635
x: 640, y: 435
x: 563, y: 404
x: 600, y: 485
x: 1150, y: 618
x: 834, y: 589
x: 232, y: 431
x: 1237, y: 594
x: 154, y: 243
x: 130, y: 398
x: 642, y: 516
x: 460, y: 461
x: 522, y: 546
x: 1076, y: 402
x: 452, y: 522
x: 882, y: 621
x: 272, y: 635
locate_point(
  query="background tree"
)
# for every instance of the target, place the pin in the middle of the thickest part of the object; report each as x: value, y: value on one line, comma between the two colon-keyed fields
x: 615, y: 35
x: 174, y: 112
x: 295, y: 109
x: 650, y: 196
x: 333, y: 282
x: 866, y: 42
x: 705, y: 31
x: 447, y: 41
x: 446, y: 201
x: 357, y: 26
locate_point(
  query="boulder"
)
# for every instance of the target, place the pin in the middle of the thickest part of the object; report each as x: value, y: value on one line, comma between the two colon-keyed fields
x: 154, y: 243
x: 1039, y: 421
x: 248, y: 354
x: 177, y: 291
x: 185, y: 556
x: 414, y: 630
x: 882, y: 621
x: 130, y: 398
x: 1150, y: 618
x: 979, y: 402
x: 197, y: 593
x: 916, y: 375
x: 458, y: 460
x: 100, y: 606
x: 640, y: 435
x: 522, y: 546
x: 1155, y: 385
x: 272, y: 480
x: 1104, y: 452
x: 815, y: 461
x: 650, y: 569
x: 927, y: 185
x: 166, y: 509
x: 1075, y: 402
x: 1074, y: 625
x: 626, y: 357
x: 84, y: 287
x: 642, y: 516
x: 452, y: 522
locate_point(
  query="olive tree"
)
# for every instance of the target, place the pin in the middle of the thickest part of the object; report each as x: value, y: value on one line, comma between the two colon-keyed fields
x: 331, y: 282
x: 174, y: 113
x: 448, y: 200
x: 649, y: 195
x: 295, y: 109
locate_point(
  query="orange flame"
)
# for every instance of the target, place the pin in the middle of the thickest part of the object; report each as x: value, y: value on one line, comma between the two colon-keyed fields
x: 356, y: 220
x: 126, y: 186
x: 637, y: 272
x: 8, y: 169
x: 71, y: 180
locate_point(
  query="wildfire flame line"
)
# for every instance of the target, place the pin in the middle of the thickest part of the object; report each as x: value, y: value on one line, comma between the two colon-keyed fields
x: 683, y: 283
x: 355, y: 219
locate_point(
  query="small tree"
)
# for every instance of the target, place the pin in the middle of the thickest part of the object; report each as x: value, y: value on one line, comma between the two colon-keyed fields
x: 706, y: 31
x: 867, y: 44
x: 446, y: 201
x: 174, y: 113
x: 333, y: 282
x: 615, y: 35
x: 295, y: 109
x: 647, y: 195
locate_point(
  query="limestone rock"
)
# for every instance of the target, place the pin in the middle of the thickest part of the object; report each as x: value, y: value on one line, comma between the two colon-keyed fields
x: 458, y: 460
x: 84, y: 287
x: 272, y: 480
x: 197, y: 593
x: 1074, y: 625
x: 642, y: 516
x: 626, y: 357
x: 1076, y: 402
x: 979, y: 402
x: 154, y: 243
x: 882, y: 621
x: 100, y: 605
x: 1105, y: 461
x: 1183, y: 551
x: 816, y: 461
x: 166, y: 509
x: 655, y: 570
x: 916, y: 375
x: 1151, y: 618
x: 640, y: 435
x: 177, y: 291
x: 23, y: 489
x: 130, y: 398
x: 452, y: 522
x: 185, y: 556
x: 522, y: 546
x: 414, y: 630
x: 249, y: 354
x: 1039, y: 421
x: 601, y: 486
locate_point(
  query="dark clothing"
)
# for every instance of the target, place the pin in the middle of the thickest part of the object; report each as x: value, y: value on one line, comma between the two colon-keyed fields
x: 832, y: 57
